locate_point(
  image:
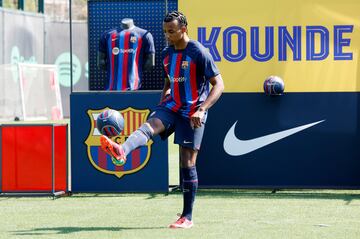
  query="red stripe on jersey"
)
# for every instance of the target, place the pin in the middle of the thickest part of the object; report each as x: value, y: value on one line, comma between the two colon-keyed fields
x: 194, y: 89
x: 113, y: 44
x: 125, y: 62
x: 166, y: 65
x: 136, y: 83
x: 176, y: 89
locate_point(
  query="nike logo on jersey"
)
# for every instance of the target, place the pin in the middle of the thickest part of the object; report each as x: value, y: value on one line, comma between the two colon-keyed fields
x: 236, y: 147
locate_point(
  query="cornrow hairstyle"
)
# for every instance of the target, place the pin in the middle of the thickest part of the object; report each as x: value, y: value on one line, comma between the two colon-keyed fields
x: 175, y: 15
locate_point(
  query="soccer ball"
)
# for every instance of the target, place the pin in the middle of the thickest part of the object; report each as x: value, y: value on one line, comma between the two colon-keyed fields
x: 110, y: 123
x: 274, y: 85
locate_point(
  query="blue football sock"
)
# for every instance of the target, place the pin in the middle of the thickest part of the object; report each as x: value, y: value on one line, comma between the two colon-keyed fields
x: 190, y: 185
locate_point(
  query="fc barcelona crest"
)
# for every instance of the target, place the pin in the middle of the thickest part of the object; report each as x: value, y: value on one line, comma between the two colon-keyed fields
x: 185, y: 64
x: 133, y: 39
x: 136, y: 160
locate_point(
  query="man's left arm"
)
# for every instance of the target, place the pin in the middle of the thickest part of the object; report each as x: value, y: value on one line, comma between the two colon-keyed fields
x: 215, y: 93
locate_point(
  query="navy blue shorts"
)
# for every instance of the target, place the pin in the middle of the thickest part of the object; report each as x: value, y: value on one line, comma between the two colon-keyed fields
x: 174, y: 122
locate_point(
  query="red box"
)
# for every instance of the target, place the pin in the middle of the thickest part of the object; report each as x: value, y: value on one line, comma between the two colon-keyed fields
x: 33, y: 158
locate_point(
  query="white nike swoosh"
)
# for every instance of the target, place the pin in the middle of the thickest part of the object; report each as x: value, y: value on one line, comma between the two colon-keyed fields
x: 236, y: 147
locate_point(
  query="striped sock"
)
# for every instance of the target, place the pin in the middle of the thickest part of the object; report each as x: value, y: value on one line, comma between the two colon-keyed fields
x: 190, y: 185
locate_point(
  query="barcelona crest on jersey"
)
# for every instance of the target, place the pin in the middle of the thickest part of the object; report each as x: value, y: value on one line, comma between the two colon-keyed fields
x: 136, y: 160
x: 185, y: 64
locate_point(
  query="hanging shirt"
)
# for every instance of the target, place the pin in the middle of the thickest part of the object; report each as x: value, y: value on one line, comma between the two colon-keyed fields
x: 126, y: 51
x: 188, y: 71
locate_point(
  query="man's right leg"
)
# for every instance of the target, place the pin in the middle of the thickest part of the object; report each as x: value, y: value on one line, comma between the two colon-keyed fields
x: 142, y: 135
x: 138, y: 138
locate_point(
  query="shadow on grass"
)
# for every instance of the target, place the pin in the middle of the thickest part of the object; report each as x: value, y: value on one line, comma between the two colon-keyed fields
x: 346, y: 195
x: 281, y: 194
x: 118, y: 195
x: 244, y: 193
x: 68, y: 230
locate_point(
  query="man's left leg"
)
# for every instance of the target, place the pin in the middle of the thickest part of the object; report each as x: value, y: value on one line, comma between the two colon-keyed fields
x: 189, y: 141
x: 190, y: 185
x: 190, y: 180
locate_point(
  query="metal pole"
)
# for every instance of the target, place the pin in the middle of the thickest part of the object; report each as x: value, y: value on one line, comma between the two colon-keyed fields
x: 71, y: 60
x: 53, y: 161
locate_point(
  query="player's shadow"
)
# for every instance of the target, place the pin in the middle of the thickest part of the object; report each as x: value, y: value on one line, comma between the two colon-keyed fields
x: 69, y: 230
x: 109, y: 195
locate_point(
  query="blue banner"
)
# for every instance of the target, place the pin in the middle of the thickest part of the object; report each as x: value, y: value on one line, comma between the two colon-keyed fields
x: 297, y: 140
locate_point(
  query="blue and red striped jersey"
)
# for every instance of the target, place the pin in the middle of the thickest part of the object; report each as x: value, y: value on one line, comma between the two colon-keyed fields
x: 126, y: 50
x: 188, y: 71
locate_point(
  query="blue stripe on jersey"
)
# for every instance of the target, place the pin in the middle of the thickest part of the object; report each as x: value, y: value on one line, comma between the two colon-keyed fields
x: 132, y: 63
x: 181, y: 84
x: 172, y: 62
x: 120, y: 60
x: 172, y: 75
x: 187, y: 85
x: 172, y: 72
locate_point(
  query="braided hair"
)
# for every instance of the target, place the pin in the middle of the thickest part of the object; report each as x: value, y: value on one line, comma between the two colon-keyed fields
x: 175, y: 15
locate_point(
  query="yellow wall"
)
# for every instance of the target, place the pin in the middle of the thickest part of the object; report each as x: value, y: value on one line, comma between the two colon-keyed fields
x: 247, y: 75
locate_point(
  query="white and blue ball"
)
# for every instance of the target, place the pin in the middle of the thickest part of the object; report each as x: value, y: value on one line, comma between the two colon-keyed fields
x: 110, y: 123
x: 274, y: 85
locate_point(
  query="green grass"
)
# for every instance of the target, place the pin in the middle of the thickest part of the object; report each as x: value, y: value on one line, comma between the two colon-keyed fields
x: 218, y: 214
x: 323, y: 214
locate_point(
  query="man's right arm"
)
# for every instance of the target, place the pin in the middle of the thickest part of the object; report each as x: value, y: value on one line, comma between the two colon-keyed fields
x: 166, y: 90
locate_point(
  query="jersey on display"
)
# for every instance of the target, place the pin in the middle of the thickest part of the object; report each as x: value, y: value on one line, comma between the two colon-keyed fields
x: 125, y: 50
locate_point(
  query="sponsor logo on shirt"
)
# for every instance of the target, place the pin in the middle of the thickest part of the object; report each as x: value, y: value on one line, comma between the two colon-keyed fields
x: 177, y: 79
x: 116, y: 51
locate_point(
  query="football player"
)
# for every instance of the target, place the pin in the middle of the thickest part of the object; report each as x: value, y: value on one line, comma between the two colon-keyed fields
x: 189, y: 71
